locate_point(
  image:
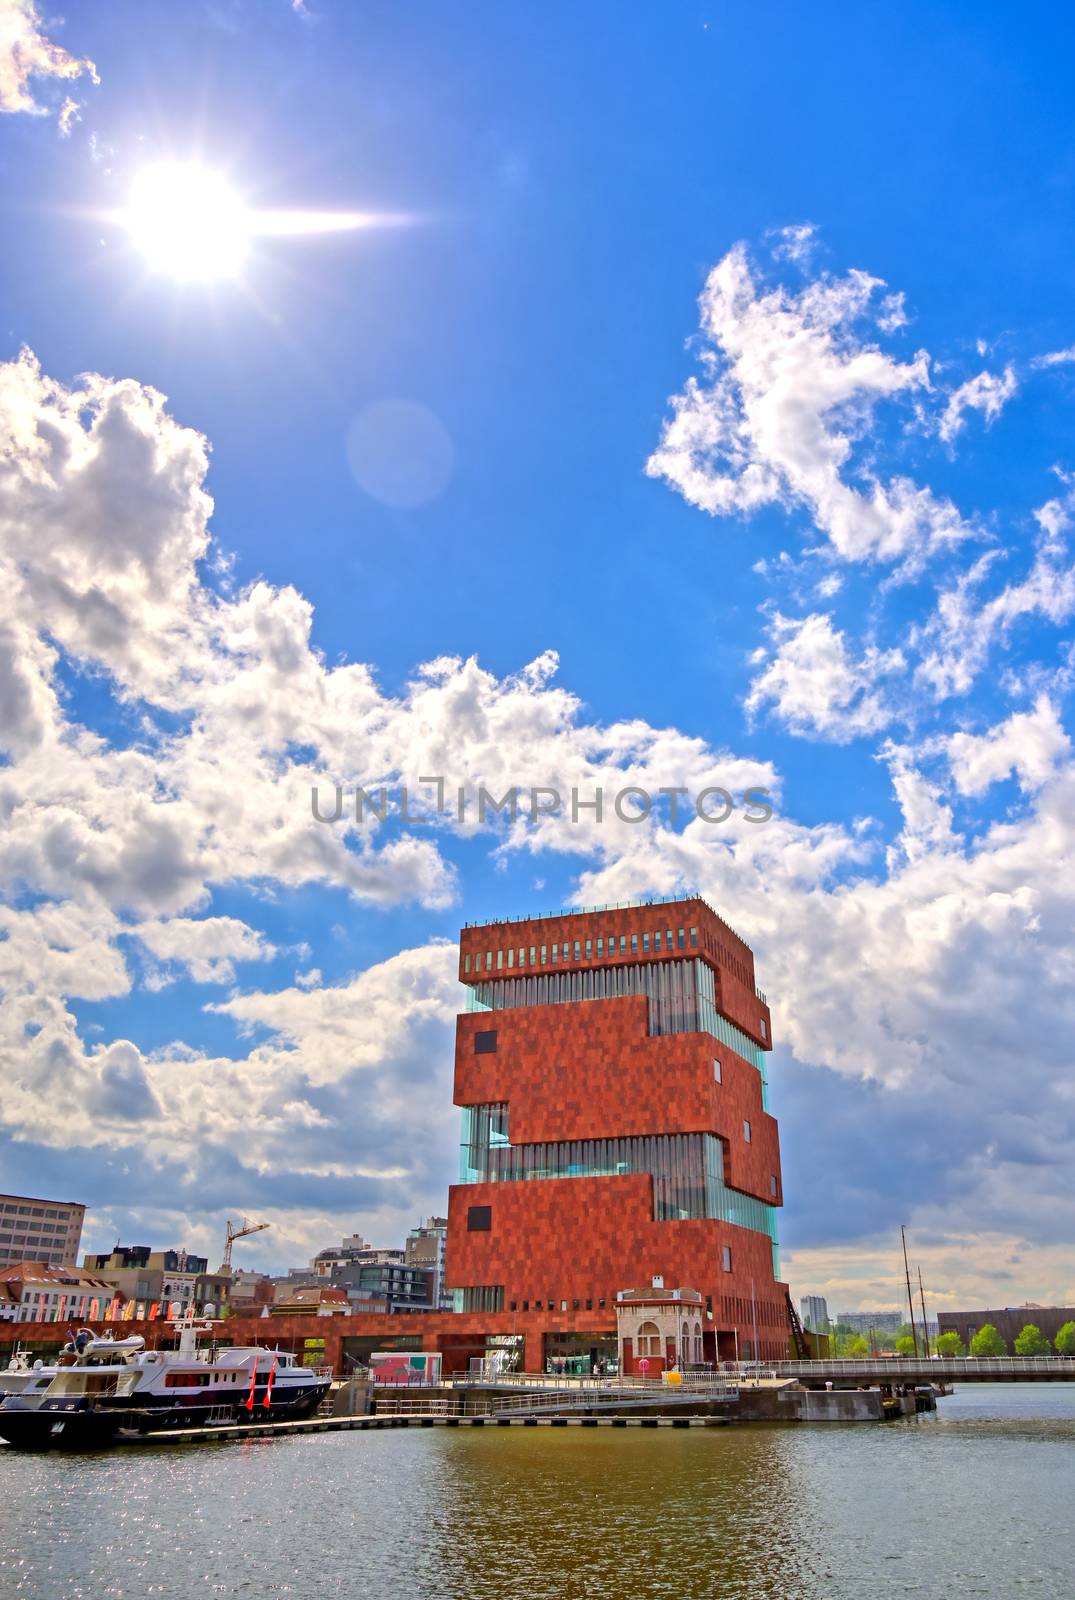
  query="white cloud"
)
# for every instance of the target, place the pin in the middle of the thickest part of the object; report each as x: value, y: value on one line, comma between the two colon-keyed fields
x: 27, y: 55
x: 1029, y: 744
x: 1055, y: 358
x: 816, y: 687
x: 788, y: 387
x: 956, y: 641
x: 987, y: 393
x: 796, y: 242
x: 207, y: 947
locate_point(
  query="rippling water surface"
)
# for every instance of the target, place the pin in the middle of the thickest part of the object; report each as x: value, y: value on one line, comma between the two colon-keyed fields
x: 975, y: 1500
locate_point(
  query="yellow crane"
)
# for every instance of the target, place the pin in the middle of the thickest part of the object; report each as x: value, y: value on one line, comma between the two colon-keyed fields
x: 240, y: 1232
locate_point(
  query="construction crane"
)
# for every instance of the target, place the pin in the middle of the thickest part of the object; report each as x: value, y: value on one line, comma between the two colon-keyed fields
x: 240, y: 1232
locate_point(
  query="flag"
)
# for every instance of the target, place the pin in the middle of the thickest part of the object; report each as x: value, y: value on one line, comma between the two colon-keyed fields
x: 249, y: 1401
x: 272, y: 1373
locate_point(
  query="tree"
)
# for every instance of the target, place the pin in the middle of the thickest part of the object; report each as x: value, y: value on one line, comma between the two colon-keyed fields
x: 949, y: 1344
x: 987, y: 1342
x: 1065, y: 1340
x: 857, y: 1348
x: 905, y: 1345
x: 1032, y: 1342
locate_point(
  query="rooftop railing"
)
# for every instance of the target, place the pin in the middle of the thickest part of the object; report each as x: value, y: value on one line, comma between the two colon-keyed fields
x: 612, y: 905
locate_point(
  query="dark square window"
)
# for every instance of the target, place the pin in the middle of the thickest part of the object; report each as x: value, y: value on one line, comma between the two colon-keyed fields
x: 485, y: 1042
x: 479, y: 1219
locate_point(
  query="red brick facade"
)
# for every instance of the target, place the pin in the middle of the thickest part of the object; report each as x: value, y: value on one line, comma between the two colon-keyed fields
x: 591, y: 1070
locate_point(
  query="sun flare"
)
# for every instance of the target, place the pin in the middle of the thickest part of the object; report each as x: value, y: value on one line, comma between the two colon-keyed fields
x: 187, y: 222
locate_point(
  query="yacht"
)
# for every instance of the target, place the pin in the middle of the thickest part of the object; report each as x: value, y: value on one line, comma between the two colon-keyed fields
x: 116, y: 1388
x: 23, y: 1375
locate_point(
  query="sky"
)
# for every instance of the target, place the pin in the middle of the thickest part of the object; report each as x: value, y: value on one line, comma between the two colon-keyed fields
x: 582, y: 396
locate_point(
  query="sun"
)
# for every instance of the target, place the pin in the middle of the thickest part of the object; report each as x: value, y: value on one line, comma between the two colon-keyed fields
x: 187, y: 222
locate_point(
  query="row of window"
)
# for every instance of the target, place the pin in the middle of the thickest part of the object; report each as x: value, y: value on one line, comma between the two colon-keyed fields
x: 582, y: 950
x: 31, y: 1211
x: 767, y: 1313
x: 30, y: 1230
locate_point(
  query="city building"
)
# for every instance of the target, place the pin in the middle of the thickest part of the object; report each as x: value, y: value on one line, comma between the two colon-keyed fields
x: 425, y: 1249
x: 40, y: 1230
x: 38, y: 1292
x: 865, y: 1322
x: 611, y: 1071
x: 249, y: 1291
x: 1009, y: 1321
x: 814, y: 1311
x: 169, y: 1279
x: 320, y: 1300
x: 659, y: 1328
x: 400, y: 1287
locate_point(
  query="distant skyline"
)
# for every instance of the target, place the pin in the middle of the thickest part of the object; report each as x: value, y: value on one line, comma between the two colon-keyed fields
x: 590, y: 397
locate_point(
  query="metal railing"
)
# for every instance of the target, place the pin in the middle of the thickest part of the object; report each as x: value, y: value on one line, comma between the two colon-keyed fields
x: 972, y: 1369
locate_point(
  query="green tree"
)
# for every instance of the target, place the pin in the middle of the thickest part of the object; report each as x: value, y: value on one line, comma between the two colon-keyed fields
x: 987, y: 1342
x: 857, y: 1348
x: 1065, y: 1340
x: 905, y: 1345
x: 949, y: 1344
x: 1032, y: 1342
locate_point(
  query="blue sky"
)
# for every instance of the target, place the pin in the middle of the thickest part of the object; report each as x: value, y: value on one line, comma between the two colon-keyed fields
x: 744, y: 353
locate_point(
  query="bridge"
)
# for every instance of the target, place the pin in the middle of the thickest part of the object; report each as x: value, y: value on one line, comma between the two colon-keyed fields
x: 904, y: 1372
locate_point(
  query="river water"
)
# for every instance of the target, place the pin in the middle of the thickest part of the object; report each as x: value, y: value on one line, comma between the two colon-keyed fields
x: 974, y: 1500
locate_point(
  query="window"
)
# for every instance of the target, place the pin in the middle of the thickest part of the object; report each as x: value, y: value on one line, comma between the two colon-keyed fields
x: 526, y: 1305
x: 761, y: 1027
x: 645, y: 944
x: 544, y: 950
x: 499, y: 959
x: 563, y: 1305
x: 773, y: 1186
x: 555, y: 954
x: 601, y: 946
x: 682, y: 939
x: 623, y: 944
x: 717, y: 1077
x: 726, y: 1257
x: 648, y: 1339
x: 479, y: 1219
x: 746, y: 1131
x: 533, y: 953
x: 488, y: 961
x: 578, y: 950
x: 485, y: 1042
x: 589, y: 949
x: 511, y: 958
x: 694, y: 937
x: 657, y: 940
x: 466, y: 963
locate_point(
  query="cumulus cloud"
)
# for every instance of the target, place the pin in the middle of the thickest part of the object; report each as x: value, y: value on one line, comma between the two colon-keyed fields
x: 988, y: 393
x: 817, y: 687
x: 918, y: 970
x: 27, y: 56
x: 789, y: 383
x: 1028, y: 744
